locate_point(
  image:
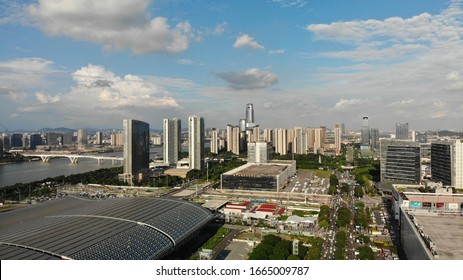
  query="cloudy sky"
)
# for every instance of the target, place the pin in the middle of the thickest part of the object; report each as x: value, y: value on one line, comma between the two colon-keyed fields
x: 85, y: 63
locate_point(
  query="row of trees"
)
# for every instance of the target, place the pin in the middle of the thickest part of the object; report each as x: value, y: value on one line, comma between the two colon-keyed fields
x: 343, y: 217
x: 341, y: 241
x: 324, y: 216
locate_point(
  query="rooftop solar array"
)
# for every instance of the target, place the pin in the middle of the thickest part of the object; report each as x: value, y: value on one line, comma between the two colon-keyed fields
x: 125, y: 228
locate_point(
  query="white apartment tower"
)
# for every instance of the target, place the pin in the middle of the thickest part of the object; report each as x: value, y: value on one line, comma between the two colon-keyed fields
x: 337, y: 138
x: 214, y: 141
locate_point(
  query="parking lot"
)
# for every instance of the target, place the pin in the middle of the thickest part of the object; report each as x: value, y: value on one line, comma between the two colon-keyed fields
x: 306, y: 182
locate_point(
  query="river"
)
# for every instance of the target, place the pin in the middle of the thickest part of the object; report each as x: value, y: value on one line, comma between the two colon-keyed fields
x: 29, y: 171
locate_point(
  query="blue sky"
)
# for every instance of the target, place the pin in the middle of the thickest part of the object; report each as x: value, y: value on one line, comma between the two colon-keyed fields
x: 301, y: 63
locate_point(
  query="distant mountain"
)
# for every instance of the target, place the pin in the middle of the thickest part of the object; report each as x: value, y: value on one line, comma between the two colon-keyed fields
x: 448, y: 133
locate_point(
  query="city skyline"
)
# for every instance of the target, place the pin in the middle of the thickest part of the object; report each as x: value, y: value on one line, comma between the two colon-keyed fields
x: 300, y: 63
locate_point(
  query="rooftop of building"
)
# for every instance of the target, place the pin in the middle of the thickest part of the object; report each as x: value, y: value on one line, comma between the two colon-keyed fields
x: 445, y: 232
x: 112, y: 229
x: 272, y: 168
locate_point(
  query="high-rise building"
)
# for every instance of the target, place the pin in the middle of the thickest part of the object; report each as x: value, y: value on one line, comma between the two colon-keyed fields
x: 67, y: 138
x: 365, y: 131
x: 447, y: 162
x: 401, y: 130
x: 259, y: 152
x: 35, y: 140
x: 172, y: 140
x: 233, y: 139
x: 337, y: 138
x: 300, y: 141
x: 196, y: 142
x: 53, y: 138
x: 136, y: 149
x: 16, y: 140
x: 249, y: 115
x: 374, y: 135
x: 400, y: 161
x: 268, y: 135
x: 280, y: 140
x: 99, y: 138
x: 82, y: 138
x: 117, y: 139
x: 214, y: 141
x: 6, y: 141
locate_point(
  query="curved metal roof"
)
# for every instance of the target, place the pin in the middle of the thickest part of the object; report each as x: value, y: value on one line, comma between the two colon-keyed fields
x: 123, y: 228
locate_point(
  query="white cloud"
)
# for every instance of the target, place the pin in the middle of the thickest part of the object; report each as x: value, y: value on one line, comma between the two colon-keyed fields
x: 43, y: 98
x: 244, y: 40
x: 185, y: 61
x: 20, y: 75
x: 277, y: 51
x: 291, y: 3
x: 393, y: 37
x: 117, y: 25
x: 346, y: 103
x: 253, y: 78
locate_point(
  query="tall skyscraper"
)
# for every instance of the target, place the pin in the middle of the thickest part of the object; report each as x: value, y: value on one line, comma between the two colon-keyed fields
x: 447, y: 162
x: 365, y: 131
x: 136, y: 149
x: 214, y: 141
x: 35, y: 140
x: 249, y: 115
x: 172, y: 140
x: 401, y: 130
x: 67, y: 138
x: 82, y: 138
x: 337, y: 138
x: 400, y: 161
x: 374, y: 135
x: 196, y: 142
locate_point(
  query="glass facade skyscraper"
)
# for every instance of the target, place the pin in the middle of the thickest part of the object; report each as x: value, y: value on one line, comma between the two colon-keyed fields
x: 196, y: 142
x: 136, y: 149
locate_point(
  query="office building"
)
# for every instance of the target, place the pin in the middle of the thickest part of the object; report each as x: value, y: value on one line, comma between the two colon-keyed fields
x: 67, y: 138
x: 136, y: 150
x: 35, y: 140
x: 53, y: 138
x: 374, y: 135
x: 337, y: 138
x: 447, y: 163
x: 400, y: 161
x: 16, y: 140
x: 249, y: 116
x: 172, y: 140
x: 82, y: 138
x: 401, y: 131
x: 196, y: 142
x: 271, y: 176
x: 365, y: 132
x: 259, y: 152
x: 214, y: 141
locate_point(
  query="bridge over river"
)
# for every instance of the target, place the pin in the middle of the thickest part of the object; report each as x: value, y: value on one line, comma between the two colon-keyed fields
x: 74, y: 158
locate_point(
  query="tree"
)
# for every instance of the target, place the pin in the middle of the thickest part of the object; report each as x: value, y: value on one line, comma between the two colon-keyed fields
x: 365, y: 253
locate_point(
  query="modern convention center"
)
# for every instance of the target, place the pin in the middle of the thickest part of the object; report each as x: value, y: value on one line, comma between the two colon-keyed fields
x: 133, y: 228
